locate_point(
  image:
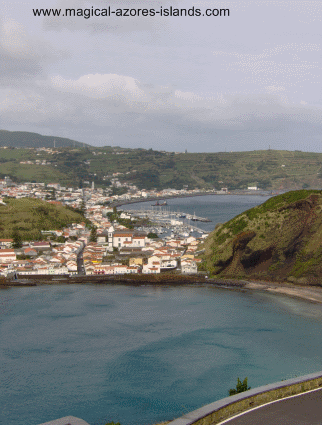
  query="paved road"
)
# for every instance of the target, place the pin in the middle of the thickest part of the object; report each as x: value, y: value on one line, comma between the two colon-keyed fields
x: 80, y: 263
x: 305, y: 409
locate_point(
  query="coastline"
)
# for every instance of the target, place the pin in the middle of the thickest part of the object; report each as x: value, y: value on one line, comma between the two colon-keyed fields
x: 167, y: 197
x: 307, y: 293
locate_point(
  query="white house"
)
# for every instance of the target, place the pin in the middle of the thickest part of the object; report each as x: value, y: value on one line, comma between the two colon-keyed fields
x: 189, y: 266
x: 170, y: 263
x: 125, y: 238
x: 6, y: 243
x: 7, y: 255
x: 153, y: 266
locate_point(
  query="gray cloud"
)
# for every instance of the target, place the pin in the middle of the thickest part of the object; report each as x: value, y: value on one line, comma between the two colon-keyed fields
x: 115, y: 109
x: 242, y: 83
x: 23, y: 56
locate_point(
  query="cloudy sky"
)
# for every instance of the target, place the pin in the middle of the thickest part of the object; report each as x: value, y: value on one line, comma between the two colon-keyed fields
x: 245, y: 81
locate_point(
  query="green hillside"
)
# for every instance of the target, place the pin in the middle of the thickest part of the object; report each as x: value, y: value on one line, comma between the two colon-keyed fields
x: 33, y: 140
x: 279, y: 240
x: 28, y: 216
x: 148, y: 169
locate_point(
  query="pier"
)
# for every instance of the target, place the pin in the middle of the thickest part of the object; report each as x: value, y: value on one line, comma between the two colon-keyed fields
x: 176, y: 221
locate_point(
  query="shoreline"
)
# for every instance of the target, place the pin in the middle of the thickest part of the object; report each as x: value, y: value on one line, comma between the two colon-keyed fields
x: 158, y: 198
x: 307, y: 293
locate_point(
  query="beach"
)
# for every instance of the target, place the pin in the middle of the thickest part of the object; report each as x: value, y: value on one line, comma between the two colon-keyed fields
x: 308, y: 293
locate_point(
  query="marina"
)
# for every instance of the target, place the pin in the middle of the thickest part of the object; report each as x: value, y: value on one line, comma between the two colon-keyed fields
x: 165, y: 220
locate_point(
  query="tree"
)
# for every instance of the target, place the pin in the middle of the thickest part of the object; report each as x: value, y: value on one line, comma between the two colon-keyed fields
x: 240, y: 387
x: 93, y: 236
x: 17, y: 241
x: 82, y: 207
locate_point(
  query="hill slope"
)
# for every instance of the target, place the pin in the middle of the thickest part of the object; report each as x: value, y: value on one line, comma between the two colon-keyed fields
x: 28, y: 216
x: 33, y: 140
x: 148, y: 169
x: 278, y: 240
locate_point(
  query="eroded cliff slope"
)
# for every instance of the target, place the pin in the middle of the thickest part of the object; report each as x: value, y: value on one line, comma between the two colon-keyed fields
x: 278, y: 240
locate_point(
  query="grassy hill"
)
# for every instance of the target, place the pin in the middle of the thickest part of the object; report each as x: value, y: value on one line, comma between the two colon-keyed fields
x: 235, y: 170
x: 28, y: 216
x: 34, y: 140
x: 278, y: 240
x: 272, y: 170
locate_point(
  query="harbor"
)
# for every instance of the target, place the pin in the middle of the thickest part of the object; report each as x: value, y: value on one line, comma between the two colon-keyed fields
x: 165, y: 221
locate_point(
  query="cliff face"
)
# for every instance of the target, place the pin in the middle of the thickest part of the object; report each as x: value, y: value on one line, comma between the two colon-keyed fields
x: 278, y: 240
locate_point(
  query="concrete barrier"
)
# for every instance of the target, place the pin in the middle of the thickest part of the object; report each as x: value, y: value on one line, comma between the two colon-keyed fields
x: 67, y: 420
x: 220, y: 410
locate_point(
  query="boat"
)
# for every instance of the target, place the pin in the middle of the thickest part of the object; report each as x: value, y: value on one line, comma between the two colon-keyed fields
x: 164, y: 203
x: 194, y: 218
x: 156, y: 204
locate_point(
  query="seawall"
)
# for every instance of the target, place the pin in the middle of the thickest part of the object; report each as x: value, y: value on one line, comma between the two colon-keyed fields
x: 218, y: 411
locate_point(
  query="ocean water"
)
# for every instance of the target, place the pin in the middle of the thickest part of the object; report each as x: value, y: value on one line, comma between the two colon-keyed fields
x: 217, y: 208
x: 139, y: 355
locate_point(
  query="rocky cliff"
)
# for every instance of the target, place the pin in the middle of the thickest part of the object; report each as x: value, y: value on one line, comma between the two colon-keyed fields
x: 278, y: 240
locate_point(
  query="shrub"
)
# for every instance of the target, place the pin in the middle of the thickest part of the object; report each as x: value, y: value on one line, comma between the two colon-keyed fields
x: 240, y: 387
x: 237, y: 226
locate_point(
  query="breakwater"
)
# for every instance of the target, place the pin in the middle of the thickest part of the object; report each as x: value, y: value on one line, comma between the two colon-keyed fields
x: 135, y: 280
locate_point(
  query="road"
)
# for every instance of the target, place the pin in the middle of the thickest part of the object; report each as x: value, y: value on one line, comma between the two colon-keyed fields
x: 80, y: 263
x: 303, y: 409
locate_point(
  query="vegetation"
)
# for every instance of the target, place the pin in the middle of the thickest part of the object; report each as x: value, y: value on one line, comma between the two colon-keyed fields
x: 116, y: 215
x: 27, y: 139
x: 23, y: 219
x: 72, y: 162
x: 93, y: 236
x: 16, y: 237
x: 240, y: 387
x: 278, y: 240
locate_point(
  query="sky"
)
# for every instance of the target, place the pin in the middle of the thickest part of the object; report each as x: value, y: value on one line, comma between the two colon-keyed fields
x: 247, y: 81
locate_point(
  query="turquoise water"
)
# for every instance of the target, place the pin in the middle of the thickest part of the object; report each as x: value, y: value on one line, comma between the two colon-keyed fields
x: 145, y: 354
x: 142, y: 355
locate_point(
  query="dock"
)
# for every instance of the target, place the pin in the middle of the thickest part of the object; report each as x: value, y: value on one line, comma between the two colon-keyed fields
x: 170, y: 219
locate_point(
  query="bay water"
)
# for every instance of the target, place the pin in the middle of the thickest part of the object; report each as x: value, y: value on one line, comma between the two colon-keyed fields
x: 139, y: 355
x: 217, y: 208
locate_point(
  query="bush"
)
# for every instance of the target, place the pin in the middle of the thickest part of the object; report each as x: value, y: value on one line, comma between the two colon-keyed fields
x: 240, y: 387
x: 238, y: 226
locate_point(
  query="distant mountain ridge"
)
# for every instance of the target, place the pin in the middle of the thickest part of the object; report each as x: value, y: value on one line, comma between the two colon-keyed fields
x: 74, y: 162
x: 25, y: 139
